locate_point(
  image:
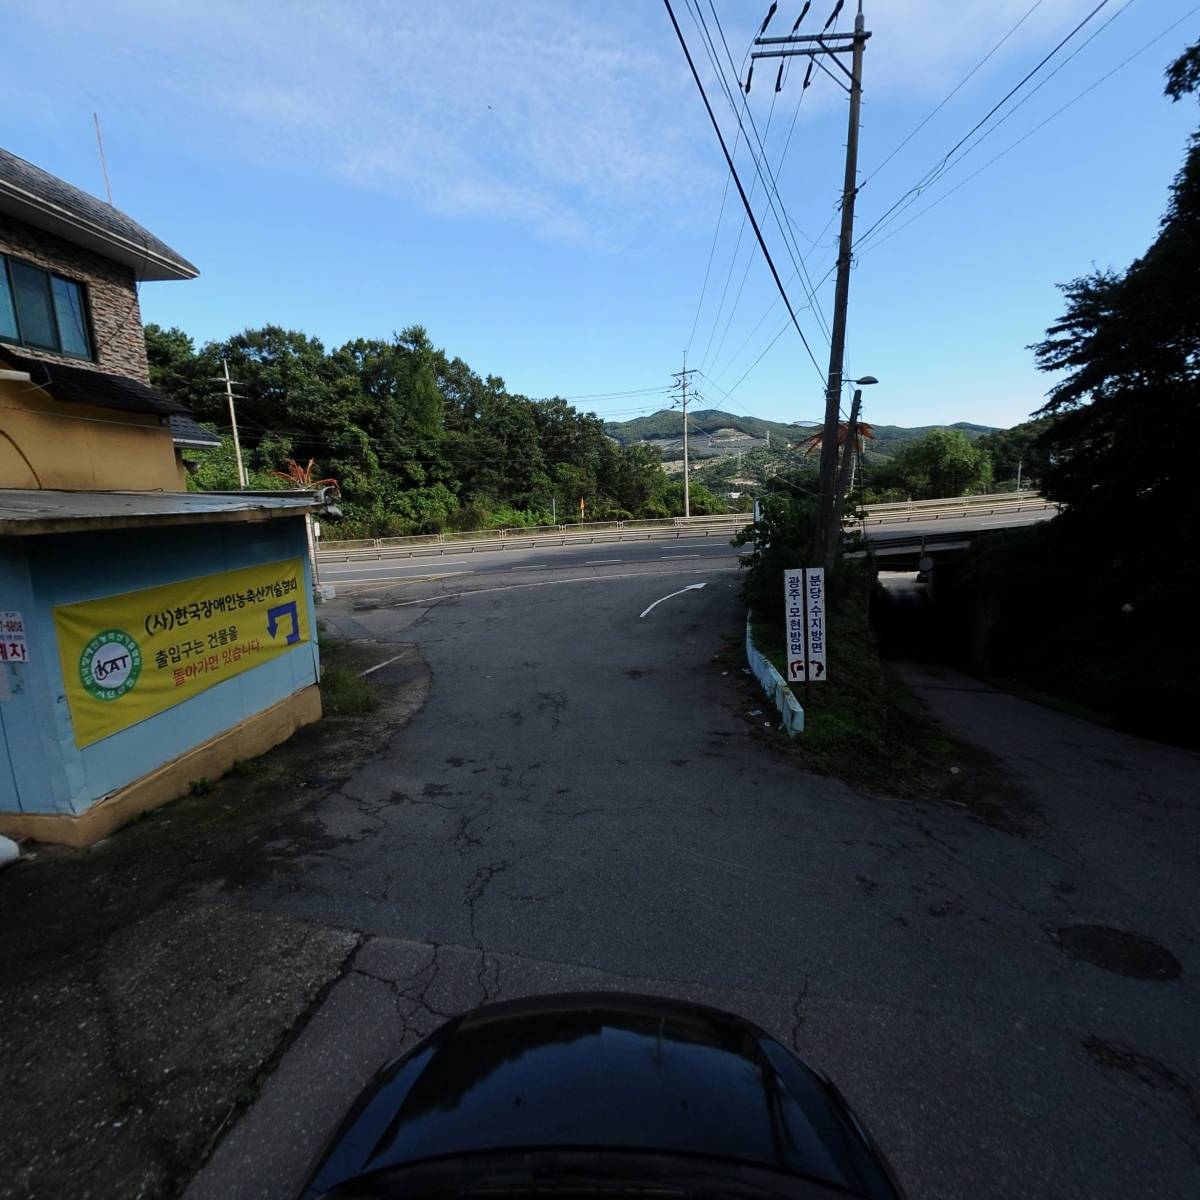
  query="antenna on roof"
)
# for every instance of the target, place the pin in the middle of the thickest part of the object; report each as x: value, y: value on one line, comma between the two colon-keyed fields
x: 103, y: 162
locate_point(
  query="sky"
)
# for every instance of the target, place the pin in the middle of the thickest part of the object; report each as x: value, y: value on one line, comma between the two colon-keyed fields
x: 538, y: 183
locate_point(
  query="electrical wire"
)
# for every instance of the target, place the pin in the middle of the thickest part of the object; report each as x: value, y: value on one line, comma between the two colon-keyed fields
x: 1037, y: 128
x: 954, y: 91
x: 934, y: 173
x: 770, y: 184
x: 741, y: 190
x: 992, y: 130
x: 710, y: 50
x: 812, y: 290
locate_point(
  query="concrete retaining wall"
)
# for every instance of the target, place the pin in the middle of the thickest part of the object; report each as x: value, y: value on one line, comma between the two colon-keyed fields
x: 775, y: 686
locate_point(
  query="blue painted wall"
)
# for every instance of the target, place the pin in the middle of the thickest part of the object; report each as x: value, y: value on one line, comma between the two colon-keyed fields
x: 44, y: 771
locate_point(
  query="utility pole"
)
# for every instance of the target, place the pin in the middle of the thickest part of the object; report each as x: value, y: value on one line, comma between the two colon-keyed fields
x: 843, y: 483
x: 683, y: 377
x: 815, y: 46
x: 1018, y: 479
x: 237, y: 445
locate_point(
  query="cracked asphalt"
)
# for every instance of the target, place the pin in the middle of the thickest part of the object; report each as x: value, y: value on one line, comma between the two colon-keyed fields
x: 584, y: 801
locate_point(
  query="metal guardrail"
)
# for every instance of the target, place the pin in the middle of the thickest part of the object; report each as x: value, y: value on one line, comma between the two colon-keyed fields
x: 502, y: 535
x: 436, y: 545
x: 626, y: 534
x: 955, y: 501
x: 950, y: 513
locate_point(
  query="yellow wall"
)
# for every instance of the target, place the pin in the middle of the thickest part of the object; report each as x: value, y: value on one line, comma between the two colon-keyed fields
x: 46, y: 443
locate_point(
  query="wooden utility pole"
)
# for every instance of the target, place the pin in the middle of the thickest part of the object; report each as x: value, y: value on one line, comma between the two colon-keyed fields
x: 237, y: 445
x: 833, y: 46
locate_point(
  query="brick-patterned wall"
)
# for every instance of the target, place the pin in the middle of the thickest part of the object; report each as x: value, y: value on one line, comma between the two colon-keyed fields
x: 111, y: 293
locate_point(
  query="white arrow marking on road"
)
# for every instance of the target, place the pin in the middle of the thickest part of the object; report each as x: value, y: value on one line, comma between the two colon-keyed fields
x: 691, y: 587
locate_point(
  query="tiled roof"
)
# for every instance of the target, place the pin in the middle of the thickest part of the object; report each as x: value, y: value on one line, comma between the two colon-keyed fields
x: 186, y: 432
x: 49, y: 203
x: 78, y: 385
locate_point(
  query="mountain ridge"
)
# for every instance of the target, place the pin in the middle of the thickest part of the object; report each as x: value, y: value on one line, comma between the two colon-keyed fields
x: 665, y: 429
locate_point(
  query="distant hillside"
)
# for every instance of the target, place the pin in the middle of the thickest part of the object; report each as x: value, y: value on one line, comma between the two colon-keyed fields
x: 668, y: 423
x: 712, y: 433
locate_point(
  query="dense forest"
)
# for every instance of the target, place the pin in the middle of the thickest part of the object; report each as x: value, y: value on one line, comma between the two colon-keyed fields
x: 417, y: 442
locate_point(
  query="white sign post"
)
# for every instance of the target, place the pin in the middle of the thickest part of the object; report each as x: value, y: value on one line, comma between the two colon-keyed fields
x: 793, y: 592
x: 814, y: 589
x: 804, y: 609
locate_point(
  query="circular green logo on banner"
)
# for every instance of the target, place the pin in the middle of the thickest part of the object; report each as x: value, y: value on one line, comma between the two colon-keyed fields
x: 110, y: 665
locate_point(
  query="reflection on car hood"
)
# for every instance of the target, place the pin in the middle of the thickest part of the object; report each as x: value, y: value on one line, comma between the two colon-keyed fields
x: 605, y: 1072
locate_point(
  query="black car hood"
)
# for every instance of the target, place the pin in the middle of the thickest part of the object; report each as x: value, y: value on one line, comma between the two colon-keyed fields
x: 605, y: 1072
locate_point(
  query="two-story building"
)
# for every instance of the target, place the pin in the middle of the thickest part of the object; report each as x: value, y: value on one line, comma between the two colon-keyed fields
x: 149, y: 636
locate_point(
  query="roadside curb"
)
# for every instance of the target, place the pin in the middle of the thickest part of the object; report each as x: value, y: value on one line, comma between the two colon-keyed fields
x: 775, y: 686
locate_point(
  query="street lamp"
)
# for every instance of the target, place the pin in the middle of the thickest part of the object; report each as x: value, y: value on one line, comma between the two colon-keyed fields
x: 843, y: 483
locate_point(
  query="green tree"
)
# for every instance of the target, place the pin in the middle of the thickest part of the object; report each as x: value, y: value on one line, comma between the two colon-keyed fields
x: 1022, y: 446
x: 1129, y: 345
x: 176, y: 370
x: 945, y: 462
x: 418, y: 441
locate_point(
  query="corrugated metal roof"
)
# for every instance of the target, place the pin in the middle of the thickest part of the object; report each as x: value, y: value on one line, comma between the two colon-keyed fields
x: 26, y: 512
x: 47, y: 202
x: 186, y: 432
x: 79, y: 385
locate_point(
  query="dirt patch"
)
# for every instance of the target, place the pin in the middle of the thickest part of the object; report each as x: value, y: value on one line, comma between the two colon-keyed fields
x: 138, y: 942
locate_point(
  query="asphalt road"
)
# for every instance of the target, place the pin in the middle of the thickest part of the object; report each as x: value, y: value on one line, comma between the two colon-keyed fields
x: 700, y: 546
x: 587, y: 799
x: 456, y: 564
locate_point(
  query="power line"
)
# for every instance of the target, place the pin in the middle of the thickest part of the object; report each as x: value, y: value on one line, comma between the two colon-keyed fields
x: 704, y: 358
x: 741, y: 190
x: 987, y: 133
x: 934, y: 173
x: 720, y: 218
x: 815, y: 308
x: 710, y: 50
x: 954, y: 91
x: 802, y: 265
x: 610, y: 395
x: 770, y: 184
x: 1037, y: 128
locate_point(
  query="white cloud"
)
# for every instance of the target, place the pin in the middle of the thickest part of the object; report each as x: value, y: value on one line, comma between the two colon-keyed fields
x: 577, y: 120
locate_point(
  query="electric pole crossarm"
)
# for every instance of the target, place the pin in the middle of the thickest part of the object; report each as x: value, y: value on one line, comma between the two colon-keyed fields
x: 848, y: 38
x: 815, y: 52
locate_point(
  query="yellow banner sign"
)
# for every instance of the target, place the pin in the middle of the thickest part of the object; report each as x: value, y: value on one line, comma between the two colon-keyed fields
x: 125, y: 658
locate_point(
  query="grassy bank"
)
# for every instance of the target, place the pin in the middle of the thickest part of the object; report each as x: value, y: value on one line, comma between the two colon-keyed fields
x: 862, y: 724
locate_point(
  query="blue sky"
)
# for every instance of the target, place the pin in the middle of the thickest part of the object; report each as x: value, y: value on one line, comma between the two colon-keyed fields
x: 538, y: 184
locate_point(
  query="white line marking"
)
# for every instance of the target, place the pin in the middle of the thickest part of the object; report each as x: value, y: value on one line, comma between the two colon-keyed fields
x: 391, y: 564
x: 387, y: 662
x: 512, y: 587
x: 592, y: 562
x: 691, y: 587
x: 663, y: 556
x: 369, y: 570
x: 402, y: 578
x: 530, y: 567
